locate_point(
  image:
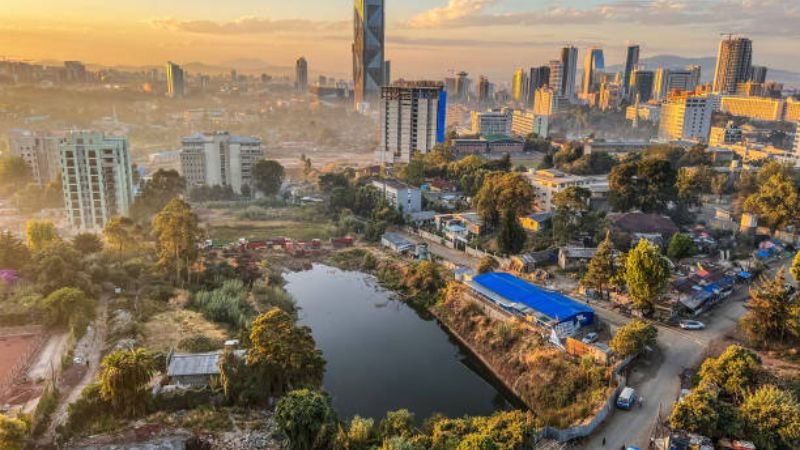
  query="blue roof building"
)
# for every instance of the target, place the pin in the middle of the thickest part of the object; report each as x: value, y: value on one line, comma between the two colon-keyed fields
x: 548, y: 308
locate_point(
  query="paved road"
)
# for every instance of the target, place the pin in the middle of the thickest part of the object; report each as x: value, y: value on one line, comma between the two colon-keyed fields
x: 446, y: 253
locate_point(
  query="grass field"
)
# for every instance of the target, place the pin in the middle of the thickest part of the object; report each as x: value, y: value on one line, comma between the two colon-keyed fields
x: 163, y: 331
x: 255, y: 230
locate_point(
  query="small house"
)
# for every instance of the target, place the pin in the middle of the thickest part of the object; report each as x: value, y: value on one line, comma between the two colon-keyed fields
x: 536, y: 222
x: 574, y: 257
x: 397, y: 243
x: 195, y: 369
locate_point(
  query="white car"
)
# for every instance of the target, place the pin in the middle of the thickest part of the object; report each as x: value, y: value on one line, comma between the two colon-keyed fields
x: 590, y: 338
x: 692, y: 325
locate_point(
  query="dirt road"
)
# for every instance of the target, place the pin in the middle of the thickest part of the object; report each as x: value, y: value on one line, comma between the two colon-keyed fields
x: 50, y: 357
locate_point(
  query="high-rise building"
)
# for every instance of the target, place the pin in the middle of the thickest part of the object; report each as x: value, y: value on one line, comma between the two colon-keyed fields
x: 686, y: 117
x: 610, y: 96
x: 220, y: 159
x: 487, y: 123
x: 368, y: 50
x: 40, y: 152
x: 696, y: 74
x: 548, y: 102
x: 301, y: 75
x: 413, y: 117
x: 668, y: 80
x: 462, y: 86
x: 641, y: 85
x: 569, y: 67
x: 797, y: 142
x: 387, y: 73
x: 758, y: 74
x: 734, y: 61
x: 483, y: 90
x: 631, y: 63
x: 524, y: 123
x: 519, y: 85
x: 175, y: 86
x: 97, y: 176
x: 539, y: 77
x: 593, y: 63
x: 556, y: 75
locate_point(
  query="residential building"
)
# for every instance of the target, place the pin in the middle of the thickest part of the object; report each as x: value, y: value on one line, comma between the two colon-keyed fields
x: 686, y: 117
x: 724, y: 136
x: 460, y: 226
x: 413, y: 116
x: 569, y: 67
x: 220, y: 159
x: 485, y: 123
x: 40, y: 150
x: 535, y: 222
x: 368, y: 50
x: 524, y: 123
x: 593, y: 63
x: 556, y: 79
x: 734, y: 62
x: 641, y: 85
x: 631, y: 63
x: 497, y: 143
x: 547, y: 102
x: 175, y: 80
x: 196, y: 369
x: 97, y: 178
x: 402, y: 197
x: 301, y: 75
x: 539, y: 77
x: 792, y: 111
x: 760, y: 108
x: 75, y: 72
x: 549, y: 182
x: 647, y: 113
x: 570, y: 258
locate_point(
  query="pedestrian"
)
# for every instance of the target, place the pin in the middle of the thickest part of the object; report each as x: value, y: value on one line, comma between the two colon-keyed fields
x: 604, y: 441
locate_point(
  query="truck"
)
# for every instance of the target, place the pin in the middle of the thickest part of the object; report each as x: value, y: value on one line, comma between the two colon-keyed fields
x: 626, y: 399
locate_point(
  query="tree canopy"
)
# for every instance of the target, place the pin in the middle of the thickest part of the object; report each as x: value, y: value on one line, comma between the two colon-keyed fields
x: 177, y: 233
x: 13, y: 252
x: 632, y: 338
x: 773, y: 315
x: 602, y: 268
x: 504, y: 193
x: 681, y: 246
x: 162, y: 187
x: 646, y: 274
x: 124, y: 379
x: 40, y: 234
x: 87, y: 243
x: 268, y: 177
x: 306, y: 418
x: 647, y: 185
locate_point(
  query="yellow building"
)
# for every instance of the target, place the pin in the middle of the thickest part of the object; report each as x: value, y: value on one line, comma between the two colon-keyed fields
x: 760, y: 108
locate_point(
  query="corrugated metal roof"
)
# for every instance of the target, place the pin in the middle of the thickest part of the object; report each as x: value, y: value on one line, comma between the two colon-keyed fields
x: 187, y: 364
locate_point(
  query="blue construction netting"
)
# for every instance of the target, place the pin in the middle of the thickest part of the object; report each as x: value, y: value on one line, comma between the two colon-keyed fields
x: 551, y: 304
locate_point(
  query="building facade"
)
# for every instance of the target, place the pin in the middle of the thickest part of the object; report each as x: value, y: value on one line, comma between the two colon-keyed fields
x: 547, y: 183
x: 631, y: 63
x: 760, y: 108
x: 539, y: 77
x: 547, y: 102
x: 39, y: 150
x: 220, y: 159
x: 641, y: 85
x: 175, y: 80
x: 734, y: 63
x: 301, y: 75
x: 413, y: 118
x: 402, y: 197
x: 524, y: 123
x: 686, y: 118
x: 569, y: 67
x: 368, y: 50
x: 487, y: 123
x: 668, y: 80
x: 97, y: 177
x: 593, y: 63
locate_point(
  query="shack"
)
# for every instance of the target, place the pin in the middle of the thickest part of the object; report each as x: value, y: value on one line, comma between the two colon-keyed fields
x: 195, y: 369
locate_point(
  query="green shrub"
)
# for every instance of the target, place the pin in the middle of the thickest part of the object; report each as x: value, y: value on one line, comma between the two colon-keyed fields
x: 228, y: 304
x: 47, y: 405
x: 198, y: 344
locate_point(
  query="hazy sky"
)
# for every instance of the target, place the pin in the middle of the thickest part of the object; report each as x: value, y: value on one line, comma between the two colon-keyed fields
x: 424, y: 37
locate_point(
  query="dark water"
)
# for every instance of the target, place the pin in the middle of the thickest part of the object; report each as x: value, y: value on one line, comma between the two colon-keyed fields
x: 382, y: 356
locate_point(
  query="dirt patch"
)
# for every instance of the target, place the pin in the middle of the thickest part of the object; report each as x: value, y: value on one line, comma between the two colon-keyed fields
x: 18, y: 350
x: 165, y: 330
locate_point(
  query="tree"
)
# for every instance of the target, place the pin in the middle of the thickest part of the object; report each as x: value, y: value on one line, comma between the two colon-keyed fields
x: 124, y: 379
x: 646, y: 274
x: 771, y: 418
x: 503, y: 192
x: 477, y: 441
x: 361, y: 433
x: 268, y: 177
x: 123, y: 234
x: 719, y: 184
x: 796, y: 267
x: 162, y: 187
x: 647, y: 184
x: 55, y: 267
x: 632, y: 338
x: 177, y: 233
x: 304, y: 416
x: 776, y: 202
x: 698, y: 412
x: 488, y: 264
x: 14, y: 172
x: 424, y: 281
x: 735, y: 372
x: 13, y: 252
x: 571, y: 205
x: 602, y: 268
x: 773, y: 315
x: 681, y: 246
x: 68, y: 306
x: 285, y: 354
x: 624, y: 186
x: 397, y: 423
x: 87, y: 243
x: 414, y: 172
x: 511, y: 239
x: 40, y: 234
x: 693, y: 182
x: 13, y: 433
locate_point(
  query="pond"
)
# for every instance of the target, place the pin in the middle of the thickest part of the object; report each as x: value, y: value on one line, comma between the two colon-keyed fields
x: 382, y: 356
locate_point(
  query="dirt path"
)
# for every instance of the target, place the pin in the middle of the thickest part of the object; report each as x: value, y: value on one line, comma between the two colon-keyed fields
x: 89, y: 349
x: 50, y: 357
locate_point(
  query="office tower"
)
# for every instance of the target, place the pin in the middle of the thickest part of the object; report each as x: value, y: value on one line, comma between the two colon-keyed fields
x: 556, y: 75
x: 219, y: 159
x: 593, y: 63
x: 631, y: 63
x: 413, y: 116
x: 174, y: 80
x: 519, y: 85
x: 387, y: 73
x: 97, y: 177
x: 488, y: 123
x: 368, y: 50
x: 641, y: 85
x: 696, y: 74
x: 462, y: 86
x: 733, y: 64
x: 483, y: 90
x: 686, y: 117
x: 667, y: 80
x: 758, y: 74
x: 450, y: 87
x: 75, y: 72
x: 301, y: 75
x: 40, y: 152
x: 569, y: 67
x: 539, y: 77
x: 610, y: 96
x: 547, y: 102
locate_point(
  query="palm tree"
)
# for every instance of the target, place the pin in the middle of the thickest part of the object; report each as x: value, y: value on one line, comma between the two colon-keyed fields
x: 124, y: 379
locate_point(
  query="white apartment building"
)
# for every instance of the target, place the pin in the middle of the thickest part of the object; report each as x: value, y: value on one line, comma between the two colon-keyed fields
x: 524, y: 123
x: 402, y: 197
x: 40, y: 152
x: 413, y: 117
x: 487, y: 123
x: 97, y: 177
x: 220, y: 159
x: 686, y: 118
x: 547, y: 183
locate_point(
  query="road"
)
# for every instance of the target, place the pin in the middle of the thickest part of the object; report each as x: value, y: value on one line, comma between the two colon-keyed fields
x: 49, y: 357
x: 454, y: 256
x: 660, y: 385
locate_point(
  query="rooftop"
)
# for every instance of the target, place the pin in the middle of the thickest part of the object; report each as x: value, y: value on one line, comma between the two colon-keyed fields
x: 644, y: 223
x: 188, y: 364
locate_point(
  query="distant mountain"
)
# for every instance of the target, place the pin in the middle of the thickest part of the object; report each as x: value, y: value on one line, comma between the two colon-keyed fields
x: 708, y: 65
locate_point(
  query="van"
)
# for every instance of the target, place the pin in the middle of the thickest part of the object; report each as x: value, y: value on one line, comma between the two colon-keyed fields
x: 627, y: 399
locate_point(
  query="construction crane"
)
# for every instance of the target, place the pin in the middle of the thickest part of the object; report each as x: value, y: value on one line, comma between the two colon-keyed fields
x: 730, y: 35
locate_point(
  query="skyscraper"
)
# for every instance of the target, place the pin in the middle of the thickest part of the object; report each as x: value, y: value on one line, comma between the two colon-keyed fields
x: 368, y: 50
x: 301, y: 75
x: 519, y: 85
x: 758, y: 74
x: 593, y: 63
x: 97, y: 176
x: 483, y: 89
x: 175, y: 87
x: 462, y: 86
x: 641, y: 85
x: 387, y: 73
x: 734, y: 62
x: 413, y: 116
x: 539, y: 77
x: 219, y: 159
x: 631, y: 62
x: 668, y: 80
x: 569, y: 67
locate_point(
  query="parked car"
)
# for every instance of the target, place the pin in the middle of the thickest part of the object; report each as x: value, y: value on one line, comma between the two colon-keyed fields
x: 590, y: 338
x: 626, y: 399
x: 692, y: 325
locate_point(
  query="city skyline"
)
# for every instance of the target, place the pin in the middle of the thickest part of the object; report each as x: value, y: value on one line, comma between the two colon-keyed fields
x: 423, y: 38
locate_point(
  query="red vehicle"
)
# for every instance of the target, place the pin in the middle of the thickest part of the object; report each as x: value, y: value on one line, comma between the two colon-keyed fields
x: 342, y: 242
